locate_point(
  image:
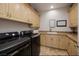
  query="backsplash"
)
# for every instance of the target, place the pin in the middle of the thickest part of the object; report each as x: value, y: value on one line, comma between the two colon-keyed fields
x: 9, y: 26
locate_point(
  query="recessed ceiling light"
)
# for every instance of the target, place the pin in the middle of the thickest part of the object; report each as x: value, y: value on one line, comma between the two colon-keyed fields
x: 51, y: 6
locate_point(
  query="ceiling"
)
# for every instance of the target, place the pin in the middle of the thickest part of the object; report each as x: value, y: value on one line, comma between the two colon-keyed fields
x: 47, y: 6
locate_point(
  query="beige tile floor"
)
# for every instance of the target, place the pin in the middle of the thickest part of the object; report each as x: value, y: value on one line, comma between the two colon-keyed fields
x: 45, y: 51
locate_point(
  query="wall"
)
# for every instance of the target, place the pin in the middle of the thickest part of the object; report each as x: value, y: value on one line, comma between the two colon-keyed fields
x: 8, y: 26
x: 57, y: 14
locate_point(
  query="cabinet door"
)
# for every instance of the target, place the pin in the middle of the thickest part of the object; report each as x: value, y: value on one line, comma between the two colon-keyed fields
x: 14, y: 11
x: 48, y: 40
x: 37, y: 20
x: 73, y: 16
x: 63, y: 43
x: 3, y: 10
x: 55, y: 41
x: 17, y: 12
x: 43, y: 40
x: 33, y: 18
x: 72, y: 48
x: 52, y: 41
x: 30, y: 16
x: 25, y: 12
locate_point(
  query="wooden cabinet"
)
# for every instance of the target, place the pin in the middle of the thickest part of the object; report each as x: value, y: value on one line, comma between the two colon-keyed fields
x: 63, y: 42
x: 60, y: 42
x: 19, y: 12
x: 35, y: 21
x: 55, y: 41
x: 73, y: 16
x: 52, y: 41
x: 3, y: 9
x: 33, y: 18
x: 72, y: 48
x: 43, y: 40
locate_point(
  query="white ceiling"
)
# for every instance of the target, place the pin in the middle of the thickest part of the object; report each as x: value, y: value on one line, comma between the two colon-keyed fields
x: 46, y: 6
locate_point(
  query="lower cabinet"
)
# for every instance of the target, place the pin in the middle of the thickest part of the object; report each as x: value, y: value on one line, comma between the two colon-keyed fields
x: 60, y: 42
x: 43, y: 40
x: 63, y: 42
x: 72, y: 48
x: 55, y: 41
x: 52, y: 41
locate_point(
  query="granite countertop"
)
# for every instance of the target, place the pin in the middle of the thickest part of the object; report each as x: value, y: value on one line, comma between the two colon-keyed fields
x: 11, y: 44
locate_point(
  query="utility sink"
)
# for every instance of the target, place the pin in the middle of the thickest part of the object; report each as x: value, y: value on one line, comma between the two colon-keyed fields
x: 52, y: 33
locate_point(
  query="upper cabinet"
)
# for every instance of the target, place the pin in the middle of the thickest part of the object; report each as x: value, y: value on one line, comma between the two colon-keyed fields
x: 73, y: 16
x: 34, y: 17
x: 19, y: 12
x: 3, y: 10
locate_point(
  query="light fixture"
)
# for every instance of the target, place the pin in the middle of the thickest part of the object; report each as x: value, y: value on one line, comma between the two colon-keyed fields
x: 51, y: 6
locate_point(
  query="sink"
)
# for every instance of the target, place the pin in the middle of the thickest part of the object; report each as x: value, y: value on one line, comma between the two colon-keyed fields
x: 52, y: 33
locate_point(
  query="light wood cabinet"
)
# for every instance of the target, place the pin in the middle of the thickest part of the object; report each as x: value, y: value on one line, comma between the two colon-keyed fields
x: 34, y: 18
x: 60, y: 42
x: 63, y: 42
x: 52, y: 41
x: 19, y: 12
x: 55, y: 41
x: 3, y: 9
x: 72, y: 48
x: 35, y: 21
x: 43, y: 40
x: 73, y: 16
